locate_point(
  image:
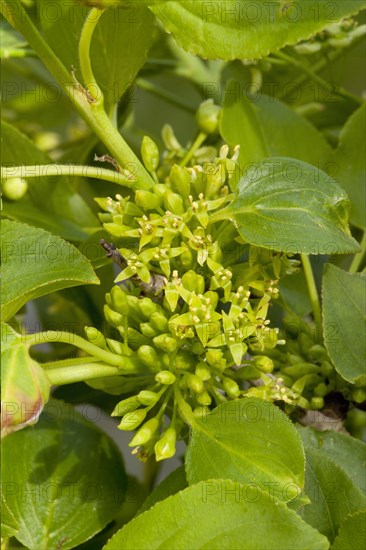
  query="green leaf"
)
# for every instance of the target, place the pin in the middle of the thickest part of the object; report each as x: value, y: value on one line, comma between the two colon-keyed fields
x: 244, y: 441
x: 218, y: 514
x: 349, y: 453
x: 174, y: 482
x: 64, y: 210
x: 332, y: 493
x: 265, y: 127
x: 241, y: 29
x: 119, y: 46
x: 37, y: 263
x: 352, y: 165
x: 9, y: 524
x: 25, y: 387
x: 68, y: 482
x: 288, y: 205
x: 344, y: 308
x: 352, y: 533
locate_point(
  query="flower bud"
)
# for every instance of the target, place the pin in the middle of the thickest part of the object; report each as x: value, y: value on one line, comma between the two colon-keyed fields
x: 165, y: 447
x: 145, y: 433
x: 149, y: 357
x: 119, y: 300
x: 165, y: 377
x: 165, y: 342
x: 204, y: 398
x: 95, y: 337
x: 180, y: 180
x: 263, y: 363
x: 173, y: 202
x: 14, y: 188
x: 184, y: 360
x: 194, y: 383
x: 148, y: 330
x: 201, y: 412
x: 186, y: 258
x: 126, y: 405
x: 207, y: 117
x: 159, y: 321
x: 112, y: 317
x: 170, y: 141
x: 150, y: 154
x: 115, y: 346
x: 231, y: 388
x: 147, y: 397
x: 358, y: 395
x: 148, y: 200
x: 147, y: 307
x: 317, y: 403
x: 203, y: 371
x: 132, y: 420
x: 321, y: 390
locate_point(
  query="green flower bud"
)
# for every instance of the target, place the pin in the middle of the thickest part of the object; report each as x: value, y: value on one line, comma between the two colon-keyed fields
x: 165, y: 342
x: 321, y: 390
x: 134, y: 309
x: 148, y: 331
x: 147, y: 307
x: 201, y: 412
x: 14, y: 188
x: 115, y: 346
x: 180, y: 180
x: 148, y: 200
x: 317, y: 403
x: 193, y: 282
x: 207, y: 117
x: 263, y: 363
x: 215, y: 358
x: 126, y: 405
x: 203, y: 371
x: 186, y: 258
x: 231, y: 388
x: 359, y: 395
x: 149, y: 357
x: 150, y: 154
x: 170, y: 141
x: 165, y: 377
x: 145, y: 433
x: 159, y: 321
x: 95, y: 337
x: 194, y: 382
x: 317, y: 352
x: 119, y: 300
x: 147, y: 397
x: 173, y: 202
x: 165, y: 447
x: 112, y: 317
x: 204, y: 398
x: 184, y: 360
x: 132, y: 420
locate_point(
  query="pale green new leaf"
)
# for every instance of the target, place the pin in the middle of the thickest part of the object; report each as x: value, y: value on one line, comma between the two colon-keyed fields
x: 242, y: 29
x: 344, y: 308
x: 250, y: 441
x: 291, y: 206
x: 218, y: 514
x: 35, y: 263
x: 69, y: 479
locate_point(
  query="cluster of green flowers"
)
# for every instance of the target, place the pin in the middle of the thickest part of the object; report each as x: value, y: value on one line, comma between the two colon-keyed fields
x: 191, y: 311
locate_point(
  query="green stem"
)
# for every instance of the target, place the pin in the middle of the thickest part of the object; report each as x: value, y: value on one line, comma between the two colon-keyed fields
x: 71, y: 170
x: 73, y: 339
x: 196, y: 144
x: 323, y: 83
x: 183, y: 407
x: 359, y: 257
x: 313, y: 293
x: 84, y: 54
x: 80, y: 373
x: 92, y: 113
x: 171, y: 98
